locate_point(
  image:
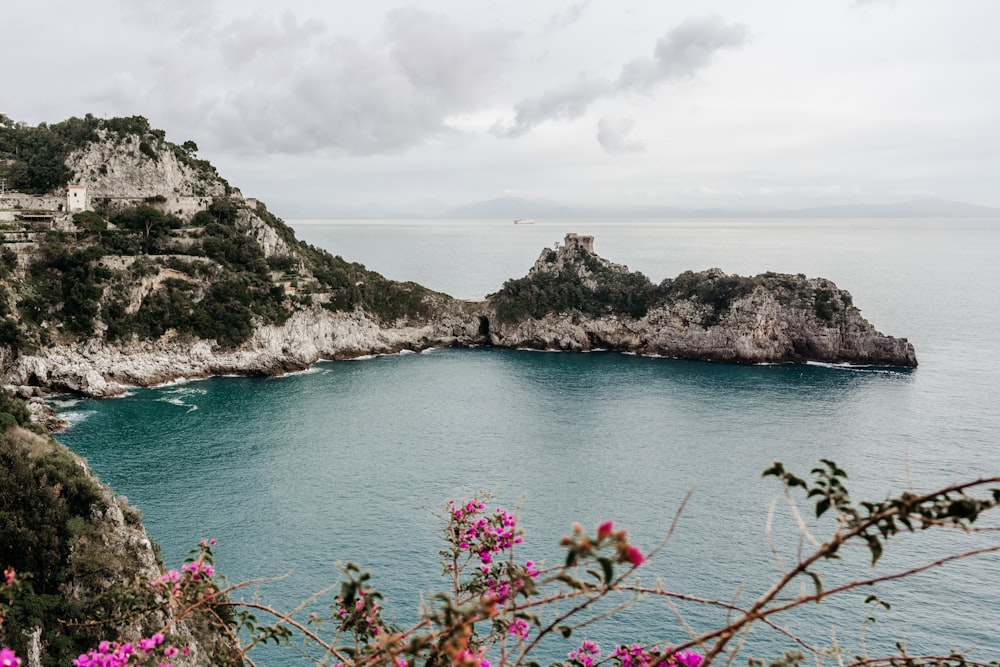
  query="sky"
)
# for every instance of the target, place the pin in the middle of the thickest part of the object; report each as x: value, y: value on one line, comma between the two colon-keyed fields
x: 335, y: 108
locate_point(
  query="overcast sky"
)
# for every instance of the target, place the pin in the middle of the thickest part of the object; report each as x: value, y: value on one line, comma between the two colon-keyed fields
x: 327, y: 107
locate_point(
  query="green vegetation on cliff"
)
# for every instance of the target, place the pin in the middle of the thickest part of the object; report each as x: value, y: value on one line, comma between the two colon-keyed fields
x: 46, y: 535
x: 80, y: 556
x: 586, y: 286
x: 575, y: 281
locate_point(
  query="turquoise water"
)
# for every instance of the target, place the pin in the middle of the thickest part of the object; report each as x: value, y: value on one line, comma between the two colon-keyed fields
x: 341, y: 462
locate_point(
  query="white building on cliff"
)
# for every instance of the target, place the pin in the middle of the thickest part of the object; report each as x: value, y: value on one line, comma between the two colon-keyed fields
x: 76, y: 198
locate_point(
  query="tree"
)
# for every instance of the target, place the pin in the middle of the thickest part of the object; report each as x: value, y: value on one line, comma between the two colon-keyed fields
x: 151, y: 222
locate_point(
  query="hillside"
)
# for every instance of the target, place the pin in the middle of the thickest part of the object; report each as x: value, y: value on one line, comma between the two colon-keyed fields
x: 143, y: 241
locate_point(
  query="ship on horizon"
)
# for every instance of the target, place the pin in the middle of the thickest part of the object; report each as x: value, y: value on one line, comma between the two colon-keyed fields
x: 524, y: 221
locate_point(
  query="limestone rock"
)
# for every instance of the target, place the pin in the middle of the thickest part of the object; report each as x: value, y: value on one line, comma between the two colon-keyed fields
x: 125, y: 169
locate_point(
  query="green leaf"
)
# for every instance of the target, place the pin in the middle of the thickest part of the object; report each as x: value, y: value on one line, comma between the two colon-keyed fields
x: 609, y: 569
x: 875, y: 546
x: 777, y: 470
x: 822, y: 506
x: 817, y: 583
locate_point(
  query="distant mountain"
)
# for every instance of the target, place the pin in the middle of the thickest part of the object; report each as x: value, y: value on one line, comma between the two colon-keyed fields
x: 916, y: 208
x: 516, y: 207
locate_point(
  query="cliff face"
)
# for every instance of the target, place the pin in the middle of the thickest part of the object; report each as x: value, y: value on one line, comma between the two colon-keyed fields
x: 757, y: 330
x: 140, y: 166
x: 771, y: 318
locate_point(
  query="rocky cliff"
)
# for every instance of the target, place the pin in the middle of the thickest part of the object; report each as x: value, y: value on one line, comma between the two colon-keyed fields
x: 771, y: 318
x: 95, y: 368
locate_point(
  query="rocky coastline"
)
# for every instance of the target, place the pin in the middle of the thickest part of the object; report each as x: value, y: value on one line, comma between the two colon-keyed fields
x: 162, y: 270
x: 758, y: 327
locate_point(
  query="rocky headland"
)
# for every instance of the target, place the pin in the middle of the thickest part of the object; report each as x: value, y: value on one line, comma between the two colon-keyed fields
x: 572, y: 299
x: 164, y: 271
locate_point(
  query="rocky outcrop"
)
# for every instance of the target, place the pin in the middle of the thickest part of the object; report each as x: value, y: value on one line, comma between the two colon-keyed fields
x: 270, y: 242
x: 771, y: 318
x: 757, y: 330
x: 217, y: 266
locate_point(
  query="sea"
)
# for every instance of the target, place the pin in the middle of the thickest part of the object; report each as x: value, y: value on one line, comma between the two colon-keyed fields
x: 354, y: 461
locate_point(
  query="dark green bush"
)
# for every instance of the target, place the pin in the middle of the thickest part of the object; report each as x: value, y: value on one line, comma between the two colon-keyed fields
x: 614, y: 292
x: 7, y: 421
x: 90, y: 221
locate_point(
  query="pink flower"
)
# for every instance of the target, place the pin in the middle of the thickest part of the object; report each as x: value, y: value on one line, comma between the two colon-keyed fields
x: 147, y: 645
x: 466, y: 655
x: 586, y: 655
x: 687, y: 658
x: 520, y: 628
x: 530, y: 569
x: 7, y: 657
x: 635, y: 556
x: 604, y: 530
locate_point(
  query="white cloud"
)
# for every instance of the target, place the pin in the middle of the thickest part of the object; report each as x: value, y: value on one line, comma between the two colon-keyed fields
x: 682, y: 52
x: 282, y: 84
x: 567, y: 16
x: 567, y: 102
x: 613, y: 135
x: 393, y: 100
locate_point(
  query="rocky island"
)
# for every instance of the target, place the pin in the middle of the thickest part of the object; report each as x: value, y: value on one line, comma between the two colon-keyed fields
x: 135, y: 263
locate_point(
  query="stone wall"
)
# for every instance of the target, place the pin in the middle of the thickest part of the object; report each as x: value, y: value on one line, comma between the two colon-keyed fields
x: 18, y: 201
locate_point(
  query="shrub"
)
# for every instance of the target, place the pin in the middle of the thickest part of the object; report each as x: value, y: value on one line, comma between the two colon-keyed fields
x: 7, y: 421
x: 595, y: 290
x: 90, y: 221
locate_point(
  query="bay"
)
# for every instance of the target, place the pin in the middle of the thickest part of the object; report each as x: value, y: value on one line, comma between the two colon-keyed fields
x: 344, y: 462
